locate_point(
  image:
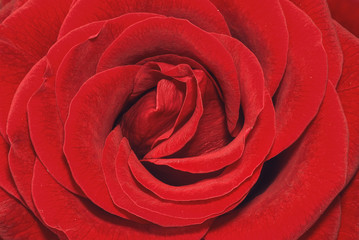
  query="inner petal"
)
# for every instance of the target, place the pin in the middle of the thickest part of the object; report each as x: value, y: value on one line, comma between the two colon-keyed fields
x: 152, y: 115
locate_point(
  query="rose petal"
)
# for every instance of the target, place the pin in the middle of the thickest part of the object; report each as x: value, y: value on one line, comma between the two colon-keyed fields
x: 152, y: 115
x: 17, y: 222
x: 13, y: 67
x: 22, y: 155
x: 7, y: 7
x: 189, y: 213
x: 23, y: 44
x: 254, y: 26
x: 303, y: 86
x: 80, y: 219
x: 115, y: 143
x: 348, y: 91
x: 319, y: 12
x: 199, y: 12
x: 20, y: 29
x: 46, y: 130
x: 92, y: 114
x: 327, y: 227
x: 178, y: 139
x: 6, y: 180
x: 157, y: 36
x: 349, y: 228
x: 211, y: 132
x: 311, y: 175
x: 346, y: 13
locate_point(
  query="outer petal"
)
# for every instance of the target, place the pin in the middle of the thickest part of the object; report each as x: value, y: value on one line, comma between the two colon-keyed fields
x: 318, y: 11
x: 81, y: 60
x: 349, y: 228
x: 327, y: 227
x: 311, y: 174
x: 17, y: 223
x: 80, y: 219
x: 348, y: 91
x: 46, y: 130
x: 253, y: 23
x: 303, y: 86
x: 88, y: 125
x: 6, y: 180
x: 7, y: 7
x: 22, y: 155
x: 346, y: 13
x: 22, y: 44
x: 200, y: 12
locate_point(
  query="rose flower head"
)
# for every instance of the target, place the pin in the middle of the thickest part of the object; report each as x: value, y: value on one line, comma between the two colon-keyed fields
x: 179, y: 119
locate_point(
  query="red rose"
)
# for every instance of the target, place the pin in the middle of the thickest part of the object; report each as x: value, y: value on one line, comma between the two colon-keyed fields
x: 182, y: 119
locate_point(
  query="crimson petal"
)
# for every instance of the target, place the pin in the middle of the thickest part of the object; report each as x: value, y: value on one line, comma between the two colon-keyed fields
x: 200, y: 12
x: 318, y: 11
x: 81, y: 60
x: 346, y: 13
x: 327, y: 227
x: 348, y: 91
x: 16, y: 222
x: 302, y: 89
x: 80, y: 219
x: 92, y: 114
x: 302, y: 188
x: 349, y: 228
x: 192, y: 212
x: 23, y: 44
x: 22, y: 155
x: 6, y: 180
x: 46, y: 130
x: 254, y: 26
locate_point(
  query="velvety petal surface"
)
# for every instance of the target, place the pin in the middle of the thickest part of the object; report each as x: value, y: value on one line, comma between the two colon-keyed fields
x: 21, y: 157
x: 46, y: 130
x: 252, y: 23
x: 346, y: 13
x: 319, y: 12
x: 348, y: 91
x: 302, y: 188
x: 81, y: 60
x: 327, y: 226
x: 200, y: 12
x: 17, y: 222
x: 303, y: 86
x: 232, y: 180
x: 78, y: 218
x: 23, y: 43
x: 6, y: 179
x: 88, y: 125
x: 349, y: 228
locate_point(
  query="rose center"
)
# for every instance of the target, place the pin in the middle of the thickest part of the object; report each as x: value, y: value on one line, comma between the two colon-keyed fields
x: 152, y: 115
